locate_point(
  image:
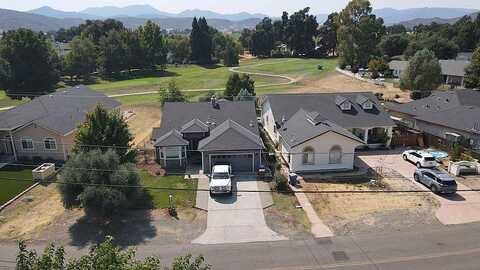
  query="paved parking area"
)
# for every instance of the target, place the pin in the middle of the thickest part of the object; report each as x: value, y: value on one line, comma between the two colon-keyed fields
x: 464, y: 207
x: 238, y: 218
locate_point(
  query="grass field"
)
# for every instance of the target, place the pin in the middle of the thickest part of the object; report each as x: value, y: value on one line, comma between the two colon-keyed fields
x: 160, y: 197
x: 9, y: 188
x: 7, y: 102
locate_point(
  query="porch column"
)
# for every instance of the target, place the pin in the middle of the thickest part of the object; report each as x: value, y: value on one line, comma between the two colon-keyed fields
x: 389, y: 131
x: 13, y: 145
x: 365, y: 138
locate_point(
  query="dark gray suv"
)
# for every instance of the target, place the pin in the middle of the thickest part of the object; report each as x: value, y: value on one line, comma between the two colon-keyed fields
x: 437, y: 181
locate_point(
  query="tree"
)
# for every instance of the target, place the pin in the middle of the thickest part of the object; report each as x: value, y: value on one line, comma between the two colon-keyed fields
x: 113, y: 53
x: 466, y: 34
x: 300, y: 31
x: 105, y: 130
x: 246, y: 38
x: 97, y: 181
x: 328, y: 34
x: 442, y: 47
x: 33, y: 64
x: 178, y: 49
x: 82, y: 59
x: 201, y: 41
x: 377, y: 66
x: 171, y: 93
x: 103, y: 256
x: 154, y: 44
x: 472, y: 72
x: 423, y: 72
x: 238, y: 82
x: 396, y: 29
x: 358, y: 34
x: 263, y: 39
x: 393, y: 45
x: 5, y: 73
x: 231, y: 58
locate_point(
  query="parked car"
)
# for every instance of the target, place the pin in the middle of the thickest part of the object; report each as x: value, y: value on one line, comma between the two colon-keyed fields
x: 421, y: 159
x: 437, y: 181
x: 221, y: 180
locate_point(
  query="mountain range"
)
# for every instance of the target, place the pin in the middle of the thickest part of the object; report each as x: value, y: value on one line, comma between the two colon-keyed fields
x: 47, y: 18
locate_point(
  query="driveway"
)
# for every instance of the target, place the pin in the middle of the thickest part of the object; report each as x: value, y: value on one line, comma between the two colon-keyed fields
x: 464, y: 207
x: 238, y: 218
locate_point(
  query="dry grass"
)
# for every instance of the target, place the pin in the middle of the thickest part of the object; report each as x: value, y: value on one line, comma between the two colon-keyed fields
x: 144, y: 119
x: 336, y: 82
x: 24, y: 218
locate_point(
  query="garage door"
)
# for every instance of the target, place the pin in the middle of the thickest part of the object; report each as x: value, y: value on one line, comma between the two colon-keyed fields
x: 239, y: 162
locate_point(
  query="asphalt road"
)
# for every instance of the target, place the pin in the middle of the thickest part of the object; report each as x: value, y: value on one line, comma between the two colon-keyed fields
x: 452, y: 247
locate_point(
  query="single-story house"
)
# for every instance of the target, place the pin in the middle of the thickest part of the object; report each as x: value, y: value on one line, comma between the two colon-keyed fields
x: 453, y: 71
x: 445, y: 117
x: 44, y: 128
x: 321, y: 132
x: 209, y: 133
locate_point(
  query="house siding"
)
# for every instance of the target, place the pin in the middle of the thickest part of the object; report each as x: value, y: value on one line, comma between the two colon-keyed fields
x: 38, y: 134
x: 322, y: 146
x: 269, y: 122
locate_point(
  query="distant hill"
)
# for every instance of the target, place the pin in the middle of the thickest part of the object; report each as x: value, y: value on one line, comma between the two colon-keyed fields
x: 393, y: 16
x: 59, y: 14
x: 11, y: 19
x: 214, y: 15
x: 128, y: 11
x: 410, y: 24
x: 186, y: 23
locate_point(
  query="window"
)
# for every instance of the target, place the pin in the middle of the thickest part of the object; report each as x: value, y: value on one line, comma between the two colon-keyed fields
x: 50, y: 144
x: 172, y: 152
x: 27, y: 144
x: 335, y: 155
x: 308, y: 156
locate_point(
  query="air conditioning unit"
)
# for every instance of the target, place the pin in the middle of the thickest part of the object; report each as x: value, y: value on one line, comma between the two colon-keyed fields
x: 44, y: 172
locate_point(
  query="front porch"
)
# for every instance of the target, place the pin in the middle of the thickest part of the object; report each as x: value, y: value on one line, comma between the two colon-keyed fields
x: 375, y: 137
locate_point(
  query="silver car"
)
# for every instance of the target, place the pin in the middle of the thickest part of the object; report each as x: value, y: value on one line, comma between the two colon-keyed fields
x: 439, y: 182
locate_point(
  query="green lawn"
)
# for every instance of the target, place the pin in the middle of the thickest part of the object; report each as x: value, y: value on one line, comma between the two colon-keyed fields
x: 7, y: 102
x: 10, y: 188
x: 160, y: 197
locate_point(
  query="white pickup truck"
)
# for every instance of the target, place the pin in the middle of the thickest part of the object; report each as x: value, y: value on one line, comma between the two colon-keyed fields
x: 221, y: 180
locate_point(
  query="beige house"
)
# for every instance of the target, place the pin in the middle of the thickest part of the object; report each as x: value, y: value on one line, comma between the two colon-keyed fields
x: 45, y: 127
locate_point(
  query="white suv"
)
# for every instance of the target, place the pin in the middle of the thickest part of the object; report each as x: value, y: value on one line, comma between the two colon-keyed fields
x: 221, y: 180
x: 421, y: 159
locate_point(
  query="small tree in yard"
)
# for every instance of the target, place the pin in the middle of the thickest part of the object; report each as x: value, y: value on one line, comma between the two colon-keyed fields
x: 236, y: 83
x: 171, y: 94
x: 423, y: 72
x: 105, y: 130
x: 472, y: 76
x: 377, y: 66
x: 97, y: 182
x: 104, y: 256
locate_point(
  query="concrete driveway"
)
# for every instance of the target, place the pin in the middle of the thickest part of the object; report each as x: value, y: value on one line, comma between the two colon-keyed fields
x: 463, y: 207
x: 238, y: 218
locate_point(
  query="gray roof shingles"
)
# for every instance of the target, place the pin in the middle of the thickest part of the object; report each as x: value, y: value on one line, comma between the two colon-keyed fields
x: 286, y: 105
x: 231, y: 136
x: 172, y: 138
x: 61, y: 111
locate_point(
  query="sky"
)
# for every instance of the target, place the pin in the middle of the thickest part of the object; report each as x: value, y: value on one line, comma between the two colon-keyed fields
x: 269, y: 7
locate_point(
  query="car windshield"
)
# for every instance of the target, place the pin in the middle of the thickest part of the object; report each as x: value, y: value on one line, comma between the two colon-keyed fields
x: 429, y: 159
x: 220, y: 175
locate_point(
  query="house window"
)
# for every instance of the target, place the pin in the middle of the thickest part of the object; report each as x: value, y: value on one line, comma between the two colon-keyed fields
x: 172, y: 152
x: 308, y: 156
x: 335, y: 155
x: 27, y: 144
x: 50, y: 144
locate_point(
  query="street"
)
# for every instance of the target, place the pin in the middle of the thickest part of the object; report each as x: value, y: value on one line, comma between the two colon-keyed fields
x: 452, y: 247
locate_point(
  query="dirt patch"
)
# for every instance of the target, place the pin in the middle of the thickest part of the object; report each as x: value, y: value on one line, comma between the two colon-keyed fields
x: 471, y: 181
x: 141, y: 121
x: 357, y: 213
x: 336, y: 82
x: 37, y: 210
x: 286, y: 219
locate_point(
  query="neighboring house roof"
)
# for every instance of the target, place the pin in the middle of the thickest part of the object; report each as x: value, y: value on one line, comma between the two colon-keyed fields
x: 230, y: 136
x: 458, y: 109
x: 172, y: 138
x: 194, y: 126
x: 61, y: 111
x: 449, y: 67
x: 325, y: 104
x: 464, y: 56
x: 299, y: 129
x: 175, y: 115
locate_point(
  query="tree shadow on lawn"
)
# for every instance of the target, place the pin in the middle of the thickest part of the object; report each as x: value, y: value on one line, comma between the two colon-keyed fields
x: 140, y: 74
x: 211, y: 66
x: 128, y: 228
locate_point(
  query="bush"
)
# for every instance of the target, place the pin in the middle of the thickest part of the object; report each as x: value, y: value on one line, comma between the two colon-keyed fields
x: 419, y: 94
x: 281, y: 183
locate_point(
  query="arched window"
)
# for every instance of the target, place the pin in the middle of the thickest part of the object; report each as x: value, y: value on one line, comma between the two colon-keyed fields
x: 308, y: 155
x: 335, y: 155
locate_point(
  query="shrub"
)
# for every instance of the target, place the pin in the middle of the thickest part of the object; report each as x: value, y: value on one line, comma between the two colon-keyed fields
x: 419, y: 94
x: 281, y: 183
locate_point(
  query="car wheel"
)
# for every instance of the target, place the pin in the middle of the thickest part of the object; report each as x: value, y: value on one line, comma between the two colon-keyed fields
x: 419, y: 165
x: 405, y: 157
x: 434, y: 189
x: 416, y: 177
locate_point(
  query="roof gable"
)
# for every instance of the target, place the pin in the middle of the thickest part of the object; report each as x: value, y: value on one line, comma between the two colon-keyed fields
x: 194, y: 126
x: 172, y: 138
x: 230, y: 136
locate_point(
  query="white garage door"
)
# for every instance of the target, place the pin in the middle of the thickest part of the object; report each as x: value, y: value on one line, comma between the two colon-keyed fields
x: 239, y: 162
